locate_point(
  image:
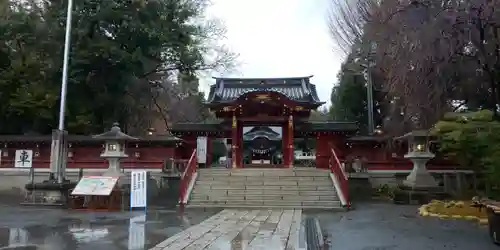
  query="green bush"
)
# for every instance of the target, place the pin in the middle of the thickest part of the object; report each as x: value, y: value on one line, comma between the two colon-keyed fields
x: 473, y: 141
x: 386, y: 191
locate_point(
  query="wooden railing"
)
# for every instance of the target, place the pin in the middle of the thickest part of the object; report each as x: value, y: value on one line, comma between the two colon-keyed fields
x: 340, y: 179
x: 187, y: 178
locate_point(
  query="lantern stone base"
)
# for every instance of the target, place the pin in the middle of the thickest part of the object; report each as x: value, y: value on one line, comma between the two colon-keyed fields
x: 419, y: 177
x: 419, y: 187
x: 48, y: 193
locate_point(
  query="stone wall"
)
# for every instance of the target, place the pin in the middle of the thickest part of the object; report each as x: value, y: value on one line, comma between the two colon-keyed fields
x: 453, y: 182
x: 12, y: 181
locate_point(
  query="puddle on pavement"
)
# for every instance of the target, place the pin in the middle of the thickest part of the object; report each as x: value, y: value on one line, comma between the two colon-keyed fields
x: 101, y: 232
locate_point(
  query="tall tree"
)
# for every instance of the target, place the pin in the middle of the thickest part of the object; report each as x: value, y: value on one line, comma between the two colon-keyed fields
x: 119, y: 52
x: 433, y: 57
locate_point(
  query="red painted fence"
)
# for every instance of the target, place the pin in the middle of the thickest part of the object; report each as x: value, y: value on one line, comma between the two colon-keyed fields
x: 340, y: 179
x: 187, y: 177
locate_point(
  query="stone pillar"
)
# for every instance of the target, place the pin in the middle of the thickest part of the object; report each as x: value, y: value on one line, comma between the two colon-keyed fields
x: 58, y: 155
x: 234, y: 142
x: 289, y: 140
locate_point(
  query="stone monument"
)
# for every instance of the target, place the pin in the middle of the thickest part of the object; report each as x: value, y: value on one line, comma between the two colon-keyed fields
x: 55, y: 190
x: 419, y: 186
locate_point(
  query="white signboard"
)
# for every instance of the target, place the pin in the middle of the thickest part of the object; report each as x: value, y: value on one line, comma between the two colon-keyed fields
x: 138, y: 189
x: 95, y: 185
x: 24, y: 158
x: 137, y: 232
x: 201, y: 149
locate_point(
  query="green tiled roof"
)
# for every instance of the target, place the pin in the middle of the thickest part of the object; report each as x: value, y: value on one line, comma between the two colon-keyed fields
x: 307, y: 126
x: 298, y: 89
x: 328, y: 126
x: 205, y: 127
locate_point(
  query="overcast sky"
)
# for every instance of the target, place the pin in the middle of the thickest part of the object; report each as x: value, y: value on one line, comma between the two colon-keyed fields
x: 280, y: 38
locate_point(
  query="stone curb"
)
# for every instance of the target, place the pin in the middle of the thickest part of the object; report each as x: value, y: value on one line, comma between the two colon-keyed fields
x: 424, y: 211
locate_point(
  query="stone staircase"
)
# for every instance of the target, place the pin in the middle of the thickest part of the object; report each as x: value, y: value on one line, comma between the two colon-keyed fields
x: 270, y: 188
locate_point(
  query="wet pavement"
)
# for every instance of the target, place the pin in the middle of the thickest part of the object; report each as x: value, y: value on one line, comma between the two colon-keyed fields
x: 369, y: 227
x: 54, y: 229
x: 394, y: 227
x: 240, y: 229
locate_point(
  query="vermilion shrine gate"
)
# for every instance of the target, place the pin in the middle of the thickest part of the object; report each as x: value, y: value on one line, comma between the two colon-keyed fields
x: 285, y: 103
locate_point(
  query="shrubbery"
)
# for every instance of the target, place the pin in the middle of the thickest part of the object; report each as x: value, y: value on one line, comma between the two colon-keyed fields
x: 473, y: 140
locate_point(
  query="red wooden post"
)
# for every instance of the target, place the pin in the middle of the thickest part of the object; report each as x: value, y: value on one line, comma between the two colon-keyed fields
x: 290, y: 142
x: 240, y: 144
x: 284, y: 138
x: 234, y: 142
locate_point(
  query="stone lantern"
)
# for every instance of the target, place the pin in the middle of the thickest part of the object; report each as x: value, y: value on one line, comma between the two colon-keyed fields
x: 114, y: 150
x: 419, y: 154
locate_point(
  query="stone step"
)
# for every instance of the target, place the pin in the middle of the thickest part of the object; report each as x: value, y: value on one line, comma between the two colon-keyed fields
x: 267, y: 175
x: 292, y: 188
x: 260, y: 169
x: 262, y: 197
x: 265, y: 203
x: 261, y: 178
x: 287, y: 188
x: 263, y: 188
x: 265, y: 182
x: 248, y: 206
x: 204, y: 191
x: 263, y: 172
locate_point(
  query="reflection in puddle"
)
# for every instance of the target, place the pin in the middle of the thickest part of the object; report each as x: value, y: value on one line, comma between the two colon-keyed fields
x: 53, y: 241
x: 137, y: 232
x: 95, y: 231
x: 87, y: 235
x: 17, y: 237
x: 241, y: 240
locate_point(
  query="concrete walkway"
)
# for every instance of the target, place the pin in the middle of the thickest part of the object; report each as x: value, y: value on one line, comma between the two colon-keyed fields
x: 240, y: 229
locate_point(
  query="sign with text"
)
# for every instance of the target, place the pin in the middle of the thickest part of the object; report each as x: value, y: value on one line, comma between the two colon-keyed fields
x: 201, y: 149
x: 95, y: 185
x: 24, y: 158
x: 138, y: 189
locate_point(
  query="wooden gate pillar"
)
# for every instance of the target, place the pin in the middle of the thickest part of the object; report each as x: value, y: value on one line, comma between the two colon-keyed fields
x: 290, y: 142
x: 234, y: 143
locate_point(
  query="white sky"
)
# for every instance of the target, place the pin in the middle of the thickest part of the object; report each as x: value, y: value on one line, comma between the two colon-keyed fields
x: 279, y: 38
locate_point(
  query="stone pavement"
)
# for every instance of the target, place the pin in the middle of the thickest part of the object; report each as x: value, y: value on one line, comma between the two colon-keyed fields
x: 369, y: 227
x: 397, y: 227
x: 274, y: 229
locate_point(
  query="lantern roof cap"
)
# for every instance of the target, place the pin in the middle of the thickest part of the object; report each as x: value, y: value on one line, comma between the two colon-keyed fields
x: 415, y: 134
x: 115, y: 134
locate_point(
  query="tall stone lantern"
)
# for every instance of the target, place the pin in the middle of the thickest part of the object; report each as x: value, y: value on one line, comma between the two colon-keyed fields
x: 419, y: 154
x: 114, y: 150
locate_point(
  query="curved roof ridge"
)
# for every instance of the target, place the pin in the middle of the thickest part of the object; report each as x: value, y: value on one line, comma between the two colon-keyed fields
x: 262, y: 78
